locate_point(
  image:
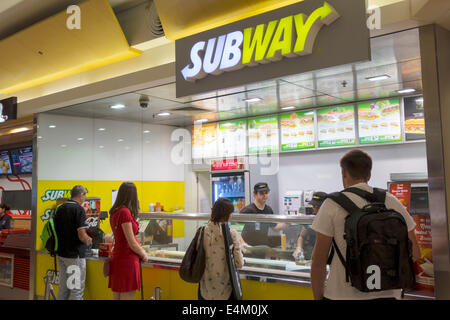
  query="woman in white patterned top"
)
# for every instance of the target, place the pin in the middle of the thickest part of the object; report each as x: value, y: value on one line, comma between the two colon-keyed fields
x: 215, y: 283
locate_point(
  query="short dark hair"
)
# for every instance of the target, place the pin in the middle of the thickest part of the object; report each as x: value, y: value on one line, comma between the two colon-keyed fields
x: 221, y: 210
x: 357, y: 163
x: 77, y: 190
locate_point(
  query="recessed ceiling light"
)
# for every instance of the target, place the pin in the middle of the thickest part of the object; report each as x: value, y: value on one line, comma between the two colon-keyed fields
x: 117, y: 106
x: 19, y: 130
x: 101, y: 129
x: 63, y: 146
x: 101, y: 147
x: 52, y: 126
x: 164, y: 114
x: 120, y: 140
x: 288, y: 108
x: 80, y: 139
x: 419, y: 100
x: 253, y: 100
x: 201, y: 120
x: 39, y: 137
x: 406, y: 91
x: 146, y: 131
x: 378, y: 78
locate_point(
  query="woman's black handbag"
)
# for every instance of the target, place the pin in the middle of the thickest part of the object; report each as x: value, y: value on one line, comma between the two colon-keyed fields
x: 234, y: 273
x: 193, y: 263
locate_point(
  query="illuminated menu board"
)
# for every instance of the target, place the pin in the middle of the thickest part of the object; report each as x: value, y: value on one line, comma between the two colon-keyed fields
x: 336, y: 126
x: 5, y: 162
x: 414, y: 118
x: 263, y: 135
x: 232, y: 138
x: 204, y: 141
x: 297, y: 131
x: 379, y: 122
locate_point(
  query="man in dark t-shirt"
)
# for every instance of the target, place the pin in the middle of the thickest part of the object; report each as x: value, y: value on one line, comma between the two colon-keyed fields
x: 71, y: 226
x: 257, y: 233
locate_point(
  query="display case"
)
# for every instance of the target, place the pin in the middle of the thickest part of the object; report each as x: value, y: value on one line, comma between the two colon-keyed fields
x: 271, y: 241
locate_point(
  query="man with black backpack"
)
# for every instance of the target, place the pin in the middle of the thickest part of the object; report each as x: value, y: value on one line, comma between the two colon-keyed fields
x: 367, y: 237
x: 71, y: 230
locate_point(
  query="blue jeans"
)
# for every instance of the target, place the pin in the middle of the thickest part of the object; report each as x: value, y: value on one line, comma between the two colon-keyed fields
x: 72, y: 277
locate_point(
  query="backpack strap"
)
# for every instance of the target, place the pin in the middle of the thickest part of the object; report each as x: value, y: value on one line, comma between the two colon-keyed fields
x: 378, y: 195
x: 342, y: 200
x: 334, y: 248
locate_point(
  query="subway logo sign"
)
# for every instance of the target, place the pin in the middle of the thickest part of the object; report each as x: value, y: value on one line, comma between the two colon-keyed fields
x: 289, y: 37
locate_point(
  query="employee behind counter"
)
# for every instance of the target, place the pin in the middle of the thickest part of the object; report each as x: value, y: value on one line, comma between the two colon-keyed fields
x: 256, y: 237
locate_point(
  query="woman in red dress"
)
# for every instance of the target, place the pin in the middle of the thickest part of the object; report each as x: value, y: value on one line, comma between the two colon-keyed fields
x: 125, y: 276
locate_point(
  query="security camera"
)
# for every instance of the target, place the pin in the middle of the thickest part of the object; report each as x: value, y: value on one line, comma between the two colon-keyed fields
x: 144, y: 102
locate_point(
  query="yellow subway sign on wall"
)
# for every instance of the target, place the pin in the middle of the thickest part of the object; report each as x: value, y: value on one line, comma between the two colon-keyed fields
x: 273, y: 44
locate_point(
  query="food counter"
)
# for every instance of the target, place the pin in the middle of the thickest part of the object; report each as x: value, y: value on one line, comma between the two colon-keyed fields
x: 271, y: 259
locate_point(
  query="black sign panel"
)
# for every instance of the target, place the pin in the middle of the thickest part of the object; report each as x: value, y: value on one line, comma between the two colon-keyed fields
x: 301, y: 37
x: 8, y: 109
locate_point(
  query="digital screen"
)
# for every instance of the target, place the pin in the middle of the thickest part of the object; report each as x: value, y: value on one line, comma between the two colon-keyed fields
x: 8, y: 109
x: 336, y: 126
x: 414, y: 118
x: 22, y: 160
x: 297, y: 131
x: 263, y: 135
x: 5, y: 162
x: 379, y: 122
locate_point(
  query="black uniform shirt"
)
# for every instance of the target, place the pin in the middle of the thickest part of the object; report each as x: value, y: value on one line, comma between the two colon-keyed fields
x: 69, y: 218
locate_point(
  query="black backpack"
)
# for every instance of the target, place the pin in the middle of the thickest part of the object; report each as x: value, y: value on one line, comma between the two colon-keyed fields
x: 379, y: 252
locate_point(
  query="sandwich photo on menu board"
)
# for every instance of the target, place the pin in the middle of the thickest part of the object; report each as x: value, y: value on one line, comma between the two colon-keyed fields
x: 414, y: 118
x: 379, y: 122
x: 336, y: 126
x: 297, y: 131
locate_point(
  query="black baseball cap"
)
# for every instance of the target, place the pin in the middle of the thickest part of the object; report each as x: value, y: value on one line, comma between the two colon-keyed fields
x: 261, y: 186
x: 318, y: 198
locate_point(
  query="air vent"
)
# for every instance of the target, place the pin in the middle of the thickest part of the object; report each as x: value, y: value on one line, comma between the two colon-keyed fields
x: 188, y: 111
x: 156, y: 27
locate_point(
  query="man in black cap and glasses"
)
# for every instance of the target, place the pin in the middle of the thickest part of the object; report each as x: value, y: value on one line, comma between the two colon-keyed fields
x: 307, y: 238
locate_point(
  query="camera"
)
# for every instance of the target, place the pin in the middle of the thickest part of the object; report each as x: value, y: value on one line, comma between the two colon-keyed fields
x: 144, y: 102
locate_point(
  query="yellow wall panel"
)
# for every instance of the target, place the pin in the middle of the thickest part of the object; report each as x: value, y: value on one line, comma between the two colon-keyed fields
x: 168, y: 193
x: 172, y: 286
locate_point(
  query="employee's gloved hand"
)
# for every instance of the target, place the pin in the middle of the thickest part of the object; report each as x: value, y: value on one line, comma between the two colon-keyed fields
x: 297, y: 252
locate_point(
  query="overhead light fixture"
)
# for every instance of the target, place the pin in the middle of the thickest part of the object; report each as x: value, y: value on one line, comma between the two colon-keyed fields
x: 253, y: 100
x: 39, y: 137
x: 80, y: 139
x: 52, y: 126
x: 406, y: 91
x: 201, y: 120
x: 164, y: 114
x: 117, y: 106
x: 120, y: 140
x: 378, y: 78
x: 101, y: 129
x: 63, y: 146
x: 419, y: 100
x: 19, y: 130
x: 146, y: 131
x: 288, y: 108
x: 101, y: 147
